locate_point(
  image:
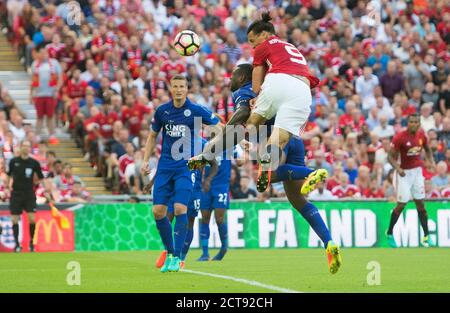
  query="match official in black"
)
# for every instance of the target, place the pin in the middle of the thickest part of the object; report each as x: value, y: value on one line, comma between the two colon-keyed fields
x: 23, y: 170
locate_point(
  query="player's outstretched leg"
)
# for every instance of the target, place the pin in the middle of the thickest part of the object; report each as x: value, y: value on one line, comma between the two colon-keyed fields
x: 311, y: 214
x: 286, y: 172
x: 204, y: 239
x: 223, y: 233
x: 313, y: 180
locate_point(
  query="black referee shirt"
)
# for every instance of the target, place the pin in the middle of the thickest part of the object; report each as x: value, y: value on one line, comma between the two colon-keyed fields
x: 22, y: 172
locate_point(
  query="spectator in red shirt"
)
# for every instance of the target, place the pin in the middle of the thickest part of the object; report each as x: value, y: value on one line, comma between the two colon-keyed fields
x: 55, y: 46
x: 75, y: 88
x: 430, y: 191
x: 133, y: 113
x: 374, y: 191
x: 344, y: 189
x: 69, y: 54
x: 76, y: 194
x: 124, y: 161
x: 101, y: 43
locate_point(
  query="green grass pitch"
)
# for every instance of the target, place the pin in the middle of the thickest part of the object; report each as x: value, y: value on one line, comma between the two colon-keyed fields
x: 303, y: 270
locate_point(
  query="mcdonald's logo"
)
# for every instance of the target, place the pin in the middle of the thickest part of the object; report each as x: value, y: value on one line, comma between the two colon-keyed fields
x: 48, y: 226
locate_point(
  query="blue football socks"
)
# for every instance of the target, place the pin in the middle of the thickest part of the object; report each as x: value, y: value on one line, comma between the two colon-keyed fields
x: 311, y: 214
x: 165, y: 231
x: 180, y: 230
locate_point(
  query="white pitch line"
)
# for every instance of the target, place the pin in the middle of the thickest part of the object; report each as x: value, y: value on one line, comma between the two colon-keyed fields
x: 244, y: 281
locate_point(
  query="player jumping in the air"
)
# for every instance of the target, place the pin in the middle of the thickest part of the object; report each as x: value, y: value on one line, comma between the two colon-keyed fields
x: 292, y: 173
x: 173, y: 179
x: 409, y: 177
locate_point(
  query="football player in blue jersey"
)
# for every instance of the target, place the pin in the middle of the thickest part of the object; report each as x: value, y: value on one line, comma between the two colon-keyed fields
x: 193, y: 209
x: 215, y: 197
x: 292, y: 170
x: 173, y: 179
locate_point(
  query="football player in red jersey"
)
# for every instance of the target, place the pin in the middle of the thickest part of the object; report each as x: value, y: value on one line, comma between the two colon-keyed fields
x: 408, y: 144
x: 283, y: 82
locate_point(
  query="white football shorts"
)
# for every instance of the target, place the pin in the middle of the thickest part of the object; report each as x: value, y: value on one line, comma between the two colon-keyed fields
x: 287, y: 97
x: 410, y: 186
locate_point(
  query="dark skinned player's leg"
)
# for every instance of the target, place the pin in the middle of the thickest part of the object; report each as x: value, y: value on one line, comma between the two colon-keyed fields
x: 423, y: 217
x: 220, y: 216
x: 306, y: 209
x: 204, y: 235
x: 394, y: 218
x: 312, y: 216
x: 395, y: 215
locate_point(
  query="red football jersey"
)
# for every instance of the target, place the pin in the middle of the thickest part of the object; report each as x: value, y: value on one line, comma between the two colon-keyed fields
x: 133, y: 117
x: 106, y: 124
x: 70, y: 56
x: 348, y: 191
x: 76, y: 89
x: 445, y: 193
x: 99, y: 42
x: 433, y: 194
x: 410, y: 147
x: 94, y: 121
x: 369, y: 193
x: 53, y: 50
x: 283, y: 57
x: 153, y: 57
x: 124, y: 161
x: 172, y: 68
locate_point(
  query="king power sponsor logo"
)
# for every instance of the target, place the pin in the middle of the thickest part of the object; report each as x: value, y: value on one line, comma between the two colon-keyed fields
x: 349, y: 228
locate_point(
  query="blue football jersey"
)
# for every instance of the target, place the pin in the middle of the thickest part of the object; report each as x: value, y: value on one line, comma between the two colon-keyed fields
x: 242, y: 97
x: 178, y: 133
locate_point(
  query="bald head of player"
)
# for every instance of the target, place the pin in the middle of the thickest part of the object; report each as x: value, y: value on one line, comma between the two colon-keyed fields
x: 413, y: 123
x: 179, y: 90
x: 260, y: 30
x: 241, y: 75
